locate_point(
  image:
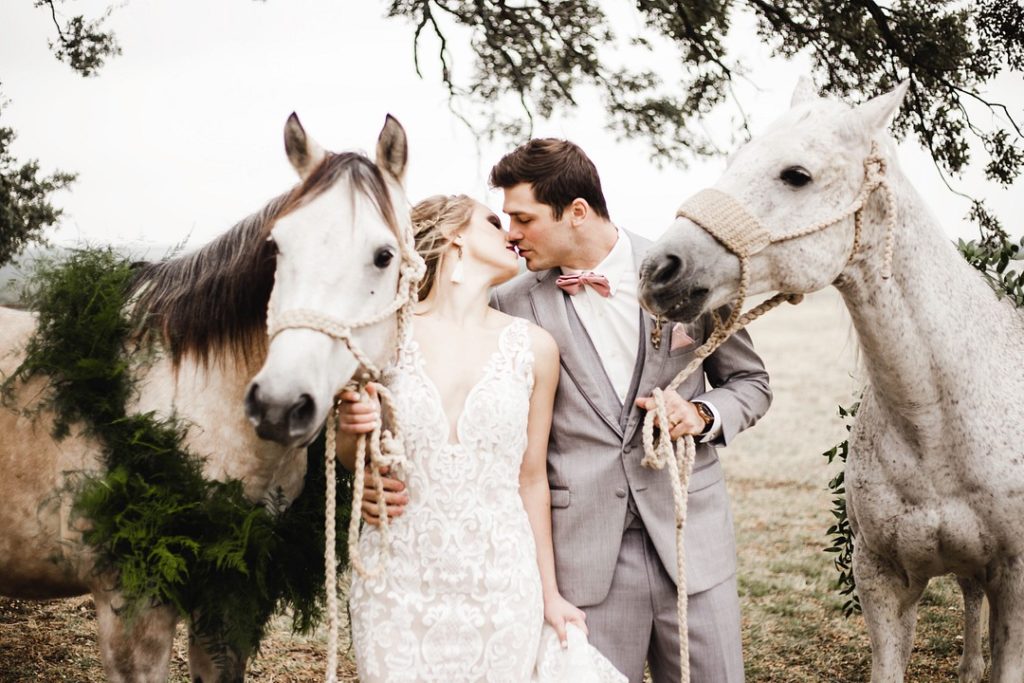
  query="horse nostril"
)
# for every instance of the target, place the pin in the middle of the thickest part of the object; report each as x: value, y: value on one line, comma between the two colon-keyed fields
x: 253, y: 410
x: 666, y: 269
x: 699, y: 292
x: 301, y: 414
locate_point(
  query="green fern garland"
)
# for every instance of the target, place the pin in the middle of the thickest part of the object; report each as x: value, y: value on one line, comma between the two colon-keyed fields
x: 171, y: 536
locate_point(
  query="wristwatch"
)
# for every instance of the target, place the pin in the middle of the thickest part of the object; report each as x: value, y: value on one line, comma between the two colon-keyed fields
x: 705, y: 414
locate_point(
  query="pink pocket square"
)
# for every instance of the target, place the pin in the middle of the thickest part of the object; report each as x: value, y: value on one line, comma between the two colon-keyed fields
x: 679, y: 337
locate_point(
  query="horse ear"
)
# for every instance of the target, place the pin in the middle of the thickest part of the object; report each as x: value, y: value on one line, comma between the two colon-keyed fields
x: 392, y: 148
x: 803, y: 92
x: 303, y: 151
x: 877, y: 113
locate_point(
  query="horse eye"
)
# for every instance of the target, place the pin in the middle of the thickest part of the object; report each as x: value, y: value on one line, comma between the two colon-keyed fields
x: 382, y: 259
x: 272, y: 246
x: 795, y: 176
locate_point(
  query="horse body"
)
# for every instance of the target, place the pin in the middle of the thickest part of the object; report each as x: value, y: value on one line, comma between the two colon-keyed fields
x: 935, y: 472
x: 39, y: 557
x: 207, y: 313
x: 935, y: 477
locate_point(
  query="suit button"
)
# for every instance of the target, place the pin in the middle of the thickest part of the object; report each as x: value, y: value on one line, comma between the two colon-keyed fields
x: 627, y: 448
x: 621, y: 493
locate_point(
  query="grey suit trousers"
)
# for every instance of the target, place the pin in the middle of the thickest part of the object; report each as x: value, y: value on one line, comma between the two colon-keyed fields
x: 637, y: 620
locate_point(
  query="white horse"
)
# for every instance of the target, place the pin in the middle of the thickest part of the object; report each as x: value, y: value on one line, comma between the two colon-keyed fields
x: 935, y: 475
x: 331, y: 245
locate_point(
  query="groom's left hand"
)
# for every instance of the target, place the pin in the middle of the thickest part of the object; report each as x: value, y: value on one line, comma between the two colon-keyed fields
x: 683, y: 417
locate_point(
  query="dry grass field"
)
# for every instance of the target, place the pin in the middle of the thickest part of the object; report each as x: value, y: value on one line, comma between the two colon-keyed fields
x: 793, y: 629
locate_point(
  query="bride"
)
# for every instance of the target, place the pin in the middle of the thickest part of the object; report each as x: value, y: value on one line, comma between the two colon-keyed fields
x: 469, y: 590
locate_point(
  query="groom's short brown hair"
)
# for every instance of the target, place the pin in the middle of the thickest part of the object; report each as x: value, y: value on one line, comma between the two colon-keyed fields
x: 558, y: 170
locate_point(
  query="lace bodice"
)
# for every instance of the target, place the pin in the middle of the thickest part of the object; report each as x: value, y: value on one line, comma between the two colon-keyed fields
x: 494, y: 414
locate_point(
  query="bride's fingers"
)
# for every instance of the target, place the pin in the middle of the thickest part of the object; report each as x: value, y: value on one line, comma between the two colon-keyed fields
x: 360, y: 419
x: 581, y: 621
x: 563, y: 637
x: 389, y: 484
x: 371, y: 512
x: 390, y: 498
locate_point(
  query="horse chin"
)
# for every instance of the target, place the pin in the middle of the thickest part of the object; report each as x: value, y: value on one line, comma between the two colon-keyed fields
x: 309, y: 441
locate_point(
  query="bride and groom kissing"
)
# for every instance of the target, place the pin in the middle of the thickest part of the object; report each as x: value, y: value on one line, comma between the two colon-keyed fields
x: 524, y: 525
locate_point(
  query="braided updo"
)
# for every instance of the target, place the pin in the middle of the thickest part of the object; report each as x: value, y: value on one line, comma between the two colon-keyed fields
x: 435, y: 221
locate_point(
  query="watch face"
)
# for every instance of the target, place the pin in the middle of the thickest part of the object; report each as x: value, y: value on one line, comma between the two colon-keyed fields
x: 705, y: 413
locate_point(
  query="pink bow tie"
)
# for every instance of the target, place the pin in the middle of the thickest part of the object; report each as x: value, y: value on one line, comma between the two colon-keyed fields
x: 573, y: 283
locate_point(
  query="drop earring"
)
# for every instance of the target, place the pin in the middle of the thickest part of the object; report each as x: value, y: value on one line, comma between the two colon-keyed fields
x: 457, y: 274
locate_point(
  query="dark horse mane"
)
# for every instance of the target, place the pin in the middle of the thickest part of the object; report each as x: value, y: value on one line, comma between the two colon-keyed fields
x: 214, y: 299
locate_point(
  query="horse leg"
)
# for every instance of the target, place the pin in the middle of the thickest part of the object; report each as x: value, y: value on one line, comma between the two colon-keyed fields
x: 889, y: 599
x: 1006, y: 622
x: 972, y: 663
x: 135, y: 649
x: 218, y: 663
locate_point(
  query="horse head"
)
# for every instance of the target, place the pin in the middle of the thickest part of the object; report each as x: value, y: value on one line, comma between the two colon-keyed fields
x: 339, y: 249
x: 782, y: 206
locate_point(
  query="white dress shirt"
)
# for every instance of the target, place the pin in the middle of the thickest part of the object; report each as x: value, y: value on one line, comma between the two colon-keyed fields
x: 613, y: 322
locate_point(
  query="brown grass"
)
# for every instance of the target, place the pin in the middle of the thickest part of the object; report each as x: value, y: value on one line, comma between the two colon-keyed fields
x: 793, y: 628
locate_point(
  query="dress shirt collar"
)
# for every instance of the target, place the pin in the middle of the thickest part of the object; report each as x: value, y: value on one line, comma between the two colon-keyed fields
x: 616, y: 266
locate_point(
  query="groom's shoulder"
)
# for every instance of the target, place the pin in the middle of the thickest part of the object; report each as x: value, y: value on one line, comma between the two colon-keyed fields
x: 516, y: 289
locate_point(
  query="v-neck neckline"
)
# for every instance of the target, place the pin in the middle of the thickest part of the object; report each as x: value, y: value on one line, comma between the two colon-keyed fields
x: 420, y: 363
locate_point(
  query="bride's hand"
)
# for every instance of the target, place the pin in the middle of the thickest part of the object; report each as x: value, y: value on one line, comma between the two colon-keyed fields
x: 558, y: 612
x: 356, y: 415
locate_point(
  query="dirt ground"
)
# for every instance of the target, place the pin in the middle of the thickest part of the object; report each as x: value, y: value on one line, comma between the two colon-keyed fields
x: 793, y: 628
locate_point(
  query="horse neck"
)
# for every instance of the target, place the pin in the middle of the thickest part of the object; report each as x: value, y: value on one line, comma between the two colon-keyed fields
x: 932, y: 329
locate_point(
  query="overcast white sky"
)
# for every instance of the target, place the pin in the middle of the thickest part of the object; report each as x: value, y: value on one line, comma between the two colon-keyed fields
x: 180, y: 136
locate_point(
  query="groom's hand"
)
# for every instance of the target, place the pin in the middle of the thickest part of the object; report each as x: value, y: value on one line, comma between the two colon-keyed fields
x: 395, y: 496
x: 683, y: 417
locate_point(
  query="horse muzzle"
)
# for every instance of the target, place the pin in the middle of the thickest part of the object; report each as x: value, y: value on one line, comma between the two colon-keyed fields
x: 667, y: 289
x: 290, y: 421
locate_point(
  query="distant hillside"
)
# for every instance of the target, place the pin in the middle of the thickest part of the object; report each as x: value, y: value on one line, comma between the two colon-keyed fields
x: 12, y: 276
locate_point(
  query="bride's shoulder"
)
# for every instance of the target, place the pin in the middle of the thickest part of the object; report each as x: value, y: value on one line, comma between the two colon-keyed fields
x: 544, y: 349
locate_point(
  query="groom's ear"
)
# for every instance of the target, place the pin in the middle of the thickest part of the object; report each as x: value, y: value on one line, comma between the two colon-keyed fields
x: 578, y: 211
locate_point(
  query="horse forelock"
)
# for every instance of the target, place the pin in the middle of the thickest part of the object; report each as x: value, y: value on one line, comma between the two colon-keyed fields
x: 211, y: 304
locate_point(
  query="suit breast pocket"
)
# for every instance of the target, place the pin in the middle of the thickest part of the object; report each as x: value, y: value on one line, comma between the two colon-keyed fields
x: 684, y: 339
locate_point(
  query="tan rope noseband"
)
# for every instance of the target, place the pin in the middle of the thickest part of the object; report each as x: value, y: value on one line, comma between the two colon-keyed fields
x: 741, y: 233
x: 385, y: 446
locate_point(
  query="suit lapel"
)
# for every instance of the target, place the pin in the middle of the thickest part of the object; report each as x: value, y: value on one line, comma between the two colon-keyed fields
x: 579, y: 358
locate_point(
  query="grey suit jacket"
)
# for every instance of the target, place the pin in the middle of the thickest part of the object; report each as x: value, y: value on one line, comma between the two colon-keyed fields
x: 595, y: 447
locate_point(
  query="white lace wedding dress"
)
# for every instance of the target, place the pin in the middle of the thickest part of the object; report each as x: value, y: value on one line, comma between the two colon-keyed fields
x: 460, y: 597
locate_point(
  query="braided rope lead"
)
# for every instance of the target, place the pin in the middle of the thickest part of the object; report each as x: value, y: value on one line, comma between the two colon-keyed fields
x: 743, y: 235
x: 330, y: 559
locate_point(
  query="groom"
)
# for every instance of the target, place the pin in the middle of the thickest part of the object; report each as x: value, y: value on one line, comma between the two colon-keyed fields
x: 612, y: 520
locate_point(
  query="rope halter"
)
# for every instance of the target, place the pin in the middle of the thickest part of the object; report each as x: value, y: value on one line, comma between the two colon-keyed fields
x: 741, y: 233
x: 385, y: 446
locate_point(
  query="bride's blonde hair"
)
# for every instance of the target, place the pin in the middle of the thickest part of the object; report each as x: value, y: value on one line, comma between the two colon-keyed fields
x: 435, y: 221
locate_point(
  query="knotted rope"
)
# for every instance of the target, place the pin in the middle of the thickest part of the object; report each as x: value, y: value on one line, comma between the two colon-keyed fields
x: 385, y: 446
x: 741, y: 233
